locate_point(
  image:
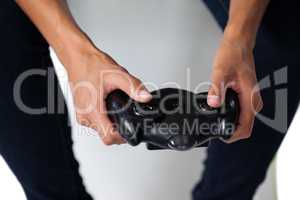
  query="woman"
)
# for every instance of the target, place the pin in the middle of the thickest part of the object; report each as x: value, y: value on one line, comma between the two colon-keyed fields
x: 38, y: 147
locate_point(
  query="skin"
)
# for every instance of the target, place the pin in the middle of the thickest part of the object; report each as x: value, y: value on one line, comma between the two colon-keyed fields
x: 234, y: 65
x: 93, y: 74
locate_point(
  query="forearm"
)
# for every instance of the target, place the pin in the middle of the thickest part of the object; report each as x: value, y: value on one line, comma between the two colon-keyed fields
x: 55, y: 22
x: 244, y: 19
x: 234, y: 64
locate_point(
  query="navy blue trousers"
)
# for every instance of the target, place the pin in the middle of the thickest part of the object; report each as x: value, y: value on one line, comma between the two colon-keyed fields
x: 38, y: 148
x: 234, y: 172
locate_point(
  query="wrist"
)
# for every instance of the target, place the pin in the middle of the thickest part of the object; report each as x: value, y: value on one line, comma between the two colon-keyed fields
x: 73, y: 50
x: 68, y: 40
x: 239, y: 37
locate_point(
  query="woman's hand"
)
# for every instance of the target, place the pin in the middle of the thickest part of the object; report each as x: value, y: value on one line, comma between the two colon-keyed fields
x: 93, y: 75
x: 234, y: 67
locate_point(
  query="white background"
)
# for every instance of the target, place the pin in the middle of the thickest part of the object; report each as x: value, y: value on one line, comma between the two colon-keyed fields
x: 157, y: 41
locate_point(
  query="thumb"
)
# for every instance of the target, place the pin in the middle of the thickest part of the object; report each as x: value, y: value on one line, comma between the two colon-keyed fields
x: 133, y: 87
x: 217, y: 89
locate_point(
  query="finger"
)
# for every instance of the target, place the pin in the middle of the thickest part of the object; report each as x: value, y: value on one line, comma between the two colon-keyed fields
x: 105, y: 128
x: 131, y: 85
x: 217, y: 89
x: 246, y: 120
x: 84, y: 121
x: 256, y: 100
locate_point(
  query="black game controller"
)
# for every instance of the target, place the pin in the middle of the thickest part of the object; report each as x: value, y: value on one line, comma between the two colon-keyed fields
x: 174, y: 119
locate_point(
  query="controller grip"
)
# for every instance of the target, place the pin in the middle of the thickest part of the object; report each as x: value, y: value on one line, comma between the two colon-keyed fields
x: 150, y: 146
x: 125, y: 113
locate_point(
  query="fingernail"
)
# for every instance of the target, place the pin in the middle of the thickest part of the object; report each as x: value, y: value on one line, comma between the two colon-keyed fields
x: 213, y: 100
x: 144, y: 94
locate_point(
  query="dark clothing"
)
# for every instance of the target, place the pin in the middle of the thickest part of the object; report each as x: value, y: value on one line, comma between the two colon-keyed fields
x: 233, y: 172
x: 38, y: 148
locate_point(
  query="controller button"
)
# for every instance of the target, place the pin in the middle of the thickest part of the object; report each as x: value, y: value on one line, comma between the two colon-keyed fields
x: 206, y: 109
x: 147, y: 107
x: 142, y: 110
x: 137, y: 111
x: 181, y: 142
x: 205, y: 106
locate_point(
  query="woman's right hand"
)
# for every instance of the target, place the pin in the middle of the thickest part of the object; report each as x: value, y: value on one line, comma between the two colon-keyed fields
x: 93, y: 75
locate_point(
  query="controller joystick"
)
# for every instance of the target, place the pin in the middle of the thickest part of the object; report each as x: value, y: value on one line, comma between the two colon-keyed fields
x: 173, y: 119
